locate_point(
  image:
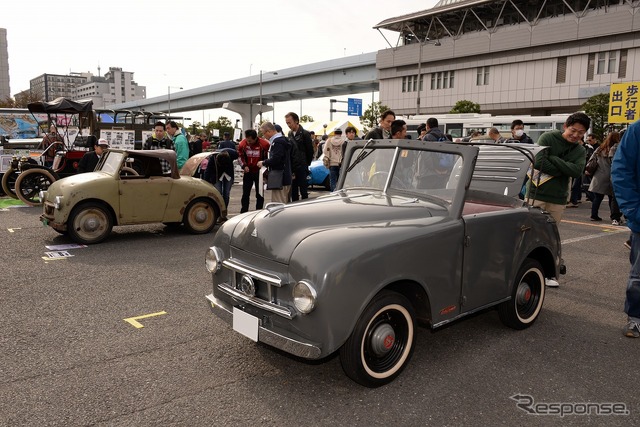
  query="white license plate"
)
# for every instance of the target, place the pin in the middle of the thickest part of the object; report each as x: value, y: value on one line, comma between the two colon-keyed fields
x: 246, y: 324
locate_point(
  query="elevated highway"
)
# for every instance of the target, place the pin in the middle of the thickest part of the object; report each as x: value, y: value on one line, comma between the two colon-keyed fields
x: 249, y: 96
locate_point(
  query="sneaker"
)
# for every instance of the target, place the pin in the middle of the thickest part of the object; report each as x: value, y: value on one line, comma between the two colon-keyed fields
x: 572, y: 205
x: 627, y: 244
x: 632, y: 329
x: 551, y: 282
x: 596, y: 218
x: 615, y: 222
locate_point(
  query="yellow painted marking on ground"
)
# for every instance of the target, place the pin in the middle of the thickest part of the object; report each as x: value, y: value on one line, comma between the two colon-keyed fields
x: 46, y: 258
x: 595, y: 224
x: 136, y: 324
x: 11, y: 230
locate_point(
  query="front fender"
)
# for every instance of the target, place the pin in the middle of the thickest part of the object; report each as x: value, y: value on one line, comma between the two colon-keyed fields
x: 387, y: 255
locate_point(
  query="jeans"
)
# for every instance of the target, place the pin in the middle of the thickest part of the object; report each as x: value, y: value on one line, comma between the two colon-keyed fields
x: 300, y: 183
x: 334, y: 175
x: 632, y: 301
x: 250, y: 180
x: 224, y: 187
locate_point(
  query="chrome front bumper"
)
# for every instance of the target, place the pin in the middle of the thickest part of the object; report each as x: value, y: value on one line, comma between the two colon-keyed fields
x: 225, y: 312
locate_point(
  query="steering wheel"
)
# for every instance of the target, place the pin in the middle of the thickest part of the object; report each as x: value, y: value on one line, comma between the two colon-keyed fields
x: 126, y: 171
x: 382, y: 175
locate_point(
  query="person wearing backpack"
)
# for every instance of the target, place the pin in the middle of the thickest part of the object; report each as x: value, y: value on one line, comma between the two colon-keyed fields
x: 302, y: 156
x: 433, y: 131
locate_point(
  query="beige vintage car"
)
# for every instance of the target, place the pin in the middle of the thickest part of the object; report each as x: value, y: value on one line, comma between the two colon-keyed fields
x: 130, y: 187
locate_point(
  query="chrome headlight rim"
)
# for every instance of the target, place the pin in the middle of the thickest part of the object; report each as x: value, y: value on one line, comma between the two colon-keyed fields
x: 213, y: 259
x: 304, y: 296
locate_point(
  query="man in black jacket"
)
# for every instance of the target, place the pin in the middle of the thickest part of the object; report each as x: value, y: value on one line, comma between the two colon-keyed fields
x: 279, y: 160
x: 433, y: 131
x: 90, y: 160
x: 383, y: 131
x: 517, y: 133
x: 302, y: 156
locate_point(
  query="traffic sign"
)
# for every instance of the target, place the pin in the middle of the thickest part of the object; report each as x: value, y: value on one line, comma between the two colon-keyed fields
x: 354, y: 106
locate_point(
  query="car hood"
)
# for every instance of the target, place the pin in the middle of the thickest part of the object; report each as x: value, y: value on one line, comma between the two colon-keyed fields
x: 56, y: 188
x: 275, y: 232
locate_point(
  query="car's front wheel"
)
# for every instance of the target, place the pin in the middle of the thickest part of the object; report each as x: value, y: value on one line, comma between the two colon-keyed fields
x: 526, y: 298
x: 382, y: 341
x: 200, y: 217
x: 89, y: 223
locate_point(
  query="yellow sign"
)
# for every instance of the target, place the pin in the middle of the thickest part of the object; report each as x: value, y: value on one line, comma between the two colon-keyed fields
x: 624, y: 101
x: 134, y: 320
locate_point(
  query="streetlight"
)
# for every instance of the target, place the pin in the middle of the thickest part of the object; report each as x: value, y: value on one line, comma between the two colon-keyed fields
x: 275, y: 73
x: 419, y: 82
x: 169, y: 97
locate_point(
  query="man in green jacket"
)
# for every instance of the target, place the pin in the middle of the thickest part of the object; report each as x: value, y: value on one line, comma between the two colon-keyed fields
x: 180, y: 143
x: 564, y: 159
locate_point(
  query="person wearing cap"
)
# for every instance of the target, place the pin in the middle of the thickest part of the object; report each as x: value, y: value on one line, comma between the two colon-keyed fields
x: 90, y: 160
x: 333, y: 156
x: 226, y: 141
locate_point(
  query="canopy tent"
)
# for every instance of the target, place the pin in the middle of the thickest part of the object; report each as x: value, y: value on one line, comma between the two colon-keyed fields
x: 61, y: 106
x: 318, y: 127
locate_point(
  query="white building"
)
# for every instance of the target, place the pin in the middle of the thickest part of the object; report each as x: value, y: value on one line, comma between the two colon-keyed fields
x: 509, y: 56
x: 116, y: 86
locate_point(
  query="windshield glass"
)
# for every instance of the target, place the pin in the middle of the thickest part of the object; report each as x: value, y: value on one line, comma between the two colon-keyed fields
x: 414, y: 172
x: 111, y: 163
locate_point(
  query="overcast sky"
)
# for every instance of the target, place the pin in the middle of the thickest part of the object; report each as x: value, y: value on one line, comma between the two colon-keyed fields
x: 193, y: 43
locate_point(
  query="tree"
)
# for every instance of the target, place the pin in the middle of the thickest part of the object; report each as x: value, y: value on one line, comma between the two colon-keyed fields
x: 7, y: 102
x: 196, y: 127
x: 306, y: 119
x: 24, y: 98
x: 597, y: 108
x: 464, y: 106
x: 223, y: 124
x: 369, y: 119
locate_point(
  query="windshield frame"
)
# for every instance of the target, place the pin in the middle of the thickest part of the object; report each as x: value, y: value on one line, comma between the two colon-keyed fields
x: 452, y: 198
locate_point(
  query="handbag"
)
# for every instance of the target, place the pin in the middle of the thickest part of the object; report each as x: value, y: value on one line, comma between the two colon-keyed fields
x: 274, y: 180
x: 592, y: 164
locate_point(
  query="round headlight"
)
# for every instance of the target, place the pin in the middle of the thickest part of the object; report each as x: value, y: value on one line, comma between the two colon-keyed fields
x: 213, y: 259
x: 304, y: 297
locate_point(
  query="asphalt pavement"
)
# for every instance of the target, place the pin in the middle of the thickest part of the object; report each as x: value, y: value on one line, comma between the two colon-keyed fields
x: 72, y: 352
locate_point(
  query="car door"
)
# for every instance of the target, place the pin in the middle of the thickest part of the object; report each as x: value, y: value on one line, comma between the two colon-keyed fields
x: 143, y: 199
x: 492, y: 241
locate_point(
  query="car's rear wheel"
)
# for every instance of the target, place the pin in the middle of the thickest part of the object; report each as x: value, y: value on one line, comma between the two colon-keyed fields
x: 89, y: 223
x: 9, y: 182
x: 200, y: 217
x: 526, y: 298
x: 382, y: 341
x: 29, y: 184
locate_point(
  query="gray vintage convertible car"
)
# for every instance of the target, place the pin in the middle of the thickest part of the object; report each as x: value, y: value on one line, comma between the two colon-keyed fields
x: 418, y: 232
